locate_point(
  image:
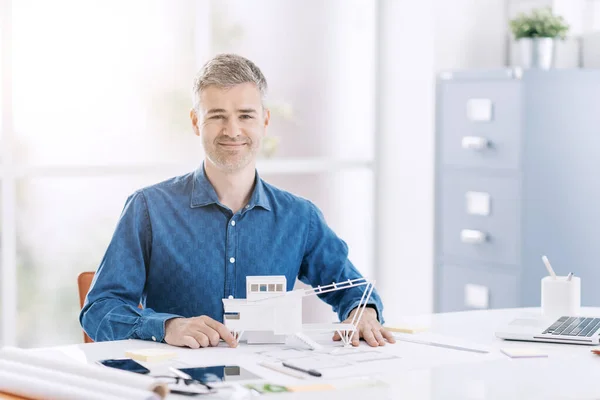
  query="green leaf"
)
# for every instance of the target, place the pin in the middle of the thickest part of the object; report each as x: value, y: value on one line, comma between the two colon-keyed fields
x: 540, y: 22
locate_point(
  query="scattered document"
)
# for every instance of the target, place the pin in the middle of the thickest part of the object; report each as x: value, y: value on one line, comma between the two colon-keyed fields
x: 340, y: 357
x: 321, y: 362
x: 523, y: 352
x: 284, y: 354
x: 364, y: 356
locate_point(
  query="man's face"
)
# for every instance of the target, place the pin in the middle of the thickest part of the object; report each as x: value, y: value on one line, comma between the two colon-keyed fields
x: 232, y: 123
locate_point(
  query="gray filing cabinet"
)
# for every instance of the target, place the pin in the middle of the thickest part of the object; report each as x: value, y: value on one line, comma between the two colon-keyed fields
x: 517, y: 177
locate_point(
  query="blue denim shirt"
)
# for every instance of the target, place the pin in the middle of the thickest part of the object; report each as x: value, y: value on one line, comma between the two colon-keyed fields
x: 178, y: 252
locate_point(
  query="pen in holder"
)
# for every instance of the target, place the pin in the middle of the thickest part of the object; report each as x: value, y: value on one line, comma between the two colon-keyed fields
x: 561, y: 296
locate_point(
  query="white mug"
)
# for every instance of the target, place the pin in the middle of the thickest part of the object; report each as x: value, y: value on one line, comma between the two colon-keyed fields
x: 561, y: 297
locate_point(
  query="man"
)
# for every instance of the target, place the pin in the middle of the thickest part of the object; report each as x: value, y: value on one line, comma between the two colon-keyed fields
x: 183, y: 245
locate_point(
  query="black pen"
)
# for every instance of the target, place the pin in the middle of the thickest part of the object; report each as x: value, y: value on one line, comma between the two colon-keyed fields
x: 307, y: 371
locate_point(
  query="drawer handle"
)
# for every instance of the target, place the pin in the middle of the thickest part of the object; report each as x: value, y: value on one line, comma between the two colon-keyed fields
x: 474, y: 143
x: 477, y: 296
x: 471, y: 236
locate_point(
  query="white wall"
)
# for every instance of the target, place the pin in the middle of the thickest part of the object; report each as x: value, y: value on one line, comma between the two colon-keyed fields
x: 419, y: 39
x: 470, y: 34
x: 405, y: 157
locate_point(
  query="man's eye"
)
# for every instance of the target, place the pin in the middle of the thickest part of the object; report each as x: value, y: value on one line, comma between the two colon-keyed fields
x: 217, y: 117
x: 246, y: 116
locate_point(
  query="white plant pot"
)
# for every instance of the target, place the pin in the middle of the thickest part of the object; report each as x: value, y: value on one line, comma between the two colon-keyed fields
x: 537, y: 52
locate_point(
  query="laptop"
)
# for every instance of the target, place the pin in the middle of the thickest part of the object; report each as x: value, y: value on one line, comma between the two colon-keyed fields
x: 573, y: 330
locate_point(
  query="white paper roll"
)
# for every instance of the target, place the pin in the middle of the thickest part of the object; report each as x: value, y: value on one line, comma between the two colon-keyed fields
x: 97, y: 372
x: 75, y: 382
x: 34, y: 388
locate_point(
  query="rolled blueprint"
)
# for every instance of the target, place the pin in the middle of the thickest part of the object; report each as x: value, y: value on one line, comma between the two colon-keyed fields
x: 80, y: 370
x: 34, y: 388
x: 64, y: 380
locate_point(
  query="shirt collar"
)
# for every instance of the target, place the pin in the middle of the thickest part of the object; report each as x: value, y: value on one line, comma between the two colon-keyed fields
x: 203, y: 193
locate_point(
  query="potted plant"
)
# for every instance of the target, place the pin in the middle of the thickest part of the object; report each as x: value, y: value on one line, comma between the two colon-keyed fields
x: 536, y: 34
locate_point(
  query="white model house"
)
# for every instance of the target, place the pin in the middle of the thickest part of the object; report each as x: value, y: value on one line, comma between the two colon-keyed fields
x: 269, y: 313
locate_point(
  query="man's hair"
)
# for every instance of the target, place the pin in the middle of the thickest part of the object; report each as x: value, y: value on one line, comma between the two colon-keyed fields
x: 225, y: 71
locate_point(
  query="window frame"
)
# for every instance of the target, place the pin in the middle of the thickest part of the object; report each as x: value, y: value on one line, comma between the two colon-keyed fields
x: 231, y: 316
x: 8, y: 183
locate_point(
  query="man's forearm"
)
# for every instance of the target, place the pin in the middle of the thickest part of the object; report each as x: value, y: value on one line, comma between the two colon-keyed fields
x: 111, y: 319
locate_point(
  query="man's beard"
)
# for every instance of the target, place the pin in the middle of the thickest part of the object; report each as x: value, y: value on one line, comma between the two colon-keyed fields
x: 231, y: 160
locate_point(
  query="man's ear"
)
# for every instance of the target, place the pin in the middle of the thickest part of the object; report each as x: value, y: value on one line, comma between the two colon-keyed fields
x: 267, y: 117
x: 194, y: 118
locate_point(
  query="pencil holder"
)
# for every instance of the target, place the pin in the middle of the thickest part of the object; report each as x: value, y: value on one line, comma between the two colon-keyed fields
x: 560, y: 296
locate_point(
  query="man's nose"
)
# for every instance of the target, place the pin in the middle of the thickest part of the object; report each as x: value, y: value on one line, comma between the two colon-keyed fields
x: 232, y: 129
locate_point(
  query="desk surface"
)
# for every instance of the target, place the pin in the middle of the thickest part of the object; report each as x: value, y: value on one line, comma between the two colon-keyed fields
x: 415, y: 371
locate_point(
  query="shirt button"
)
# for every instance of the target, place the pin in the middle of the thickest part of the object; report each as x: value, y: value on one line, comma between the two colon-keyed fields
x: 232, y: 260
x: 153, y: 338
x: 232, y: 223
x: 247, y: 206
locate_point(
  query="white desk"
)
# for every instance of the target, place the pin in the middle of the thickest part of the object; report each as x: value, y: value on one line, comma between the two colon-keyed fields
x: 420, y: 372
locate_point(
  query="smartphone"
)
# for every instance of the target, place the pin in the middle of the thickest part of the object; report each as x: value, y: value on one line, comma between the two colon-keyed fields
x: 125, y: 364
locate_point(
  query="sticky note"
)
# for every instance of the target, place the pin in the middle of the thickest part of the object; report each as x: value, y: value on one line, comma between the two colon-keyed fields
x: 406, y: 328
x: 523, y: 352
x: 311, y: 388
x: 151, y: 354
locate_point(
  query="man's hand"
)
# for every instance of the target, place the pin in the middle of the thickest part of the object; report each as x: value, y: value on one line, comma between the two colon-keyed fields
x: 197, y: 332
x: 369, y: 329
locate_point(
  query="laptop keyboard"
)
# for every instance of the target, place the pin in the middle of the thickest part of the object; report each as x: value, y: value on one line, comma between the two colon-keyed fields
x: 574, y: 326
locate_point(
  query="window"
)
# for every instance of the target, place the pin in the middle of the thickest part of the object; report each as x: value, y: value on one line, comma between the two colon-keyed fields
x: 232, y: 315
x: 110, y: 115
x: 271, y: 287
x: 108, y: 121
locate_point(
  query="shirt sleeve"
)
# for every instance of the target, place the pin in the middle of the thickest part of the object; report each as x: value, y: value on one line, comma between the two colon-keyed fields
x: 111, y: 311
x: 326, y: 261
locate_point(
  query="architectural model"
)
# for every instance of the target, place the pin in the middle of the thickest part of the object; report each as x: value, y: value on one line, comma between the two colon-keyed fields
x: 270, y: 314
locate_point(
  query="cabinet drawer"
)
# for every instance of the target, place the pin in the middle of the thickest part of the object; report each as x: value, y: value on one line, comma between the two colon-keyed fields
x: 466, y: 230
x: 463, y: 288
x: 480, y: 123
